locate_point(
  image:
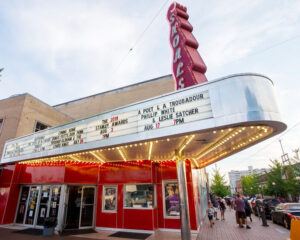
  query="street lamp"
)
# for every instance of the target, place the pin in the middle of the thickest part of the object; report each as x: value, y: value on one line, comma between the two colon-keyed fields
x: 274, y: 184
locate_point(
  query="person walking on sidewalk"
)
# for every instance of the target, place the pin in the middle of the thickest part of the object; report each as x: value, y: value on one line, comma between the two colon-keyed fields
x: 210, y: 214
x: 216, y: 206
x: 248, y: 209
x: 240, y: 212
x: 222, y: 208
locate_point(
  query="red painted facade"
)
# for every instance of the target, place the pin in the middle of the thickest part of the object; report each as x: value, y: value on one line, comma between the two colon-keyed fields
x: 14, y: 176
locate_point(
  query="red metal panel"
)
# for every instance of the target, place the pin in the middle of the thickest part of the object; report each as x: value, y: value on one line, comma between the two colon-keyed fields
x: 120, y: 220
x: 4, y: 192
x: 192, y: 209
x: 126, y: 172
x: 138, y: 219
x: 5, y: 176
x: 81, y: 173
x: 42, y: 174
x: 11, y: 198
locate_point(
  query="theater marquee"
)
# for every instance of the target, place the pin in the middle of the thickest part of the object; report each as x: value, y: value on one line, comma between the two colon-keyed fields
x: 166, y: 114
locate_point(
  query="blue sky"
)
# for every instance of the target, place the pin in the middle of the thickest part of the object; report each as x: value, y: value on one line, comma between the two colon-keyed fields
x: 63, y: 50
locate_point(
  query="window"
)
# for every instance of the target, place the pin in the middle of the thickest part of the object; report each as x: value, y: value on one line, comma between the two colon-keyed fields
x: 139, y: 196
x: 40, y: 126
x: 1, y: 123
x: 171, y: 199
x: 109, y: 199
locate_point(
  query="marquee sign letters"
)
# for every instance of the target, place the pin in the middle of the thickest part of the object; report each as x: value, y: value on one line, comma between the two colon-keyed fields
x: 188, y: 66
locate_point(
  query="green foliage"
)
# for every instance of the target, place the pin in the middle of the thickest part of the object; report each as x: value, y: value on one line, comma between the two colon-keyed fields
x: 275, y: 183
x: 281, y: 180
x: 250, y: 184
x: 219, y: 186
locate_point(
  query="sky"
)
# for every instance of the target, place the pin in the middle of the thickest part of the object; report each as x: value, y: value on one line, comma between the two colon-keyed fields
x: 60, y: 50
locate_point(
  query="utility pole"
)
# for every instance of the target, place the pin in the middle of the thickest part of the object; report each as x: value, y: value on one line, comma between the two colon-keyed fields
x: 284, y: 158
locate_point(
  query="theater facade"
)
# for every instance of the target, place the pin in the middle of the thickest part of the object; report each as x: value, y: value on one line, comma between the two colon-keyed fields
x: 124, y: 168
x: 132, y: 158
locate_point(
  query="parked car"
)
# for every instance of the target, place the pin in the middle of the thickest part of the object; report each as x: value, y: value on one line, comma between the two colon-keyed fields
x: 285, y: 212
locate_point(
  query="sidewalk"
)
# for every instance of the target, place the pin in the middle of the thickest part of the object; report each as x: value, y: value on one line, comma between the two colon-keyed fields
x: 222, y: 230
x: 229, y: 230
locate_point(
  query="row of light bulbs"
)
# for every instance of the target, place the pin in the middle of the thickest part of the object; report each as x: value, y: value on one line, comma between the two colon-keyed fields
x: 256, y: 136
x: 95, y: 153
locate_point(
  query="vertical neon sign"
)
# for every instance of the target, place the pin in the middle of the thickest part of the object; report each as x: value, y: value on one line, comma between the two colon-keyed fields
x: 188, y: 66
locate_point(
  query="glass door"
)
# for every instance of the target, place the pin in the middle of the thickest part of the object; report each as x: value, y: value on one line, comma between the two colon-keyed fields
x: 55, y: 197
x: 32, y: 204
x: 73, y: 209
x: 87, y: 207
x: 44, y: 205
x: 22, y: 205
x: 80, y: 209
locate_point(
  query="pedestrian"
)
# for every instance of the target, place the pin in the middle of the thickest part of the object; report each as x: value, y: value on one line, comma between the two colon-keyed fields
x: 248, y: 209
x: 228, y: 202
x: 240, y: 212
x: 216, y: 207
x: 210, y: 214
x: 222, y: 208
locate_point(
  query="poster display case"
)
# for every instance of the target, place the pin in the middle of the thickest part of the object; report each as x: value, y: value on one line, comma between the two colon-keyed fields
x: 171, y: 199
x: 140, y: 196
x: 109, y: 200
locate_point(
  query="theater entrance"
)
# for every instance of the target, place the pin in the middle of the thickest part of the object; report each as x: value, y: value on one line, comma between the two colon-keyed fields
x: 36, y: 203
x: 80, y: 207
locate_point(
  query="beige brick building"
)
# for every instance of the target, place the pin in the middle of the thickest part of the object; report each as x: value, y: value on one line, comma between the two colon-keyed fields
x: 24, y: 114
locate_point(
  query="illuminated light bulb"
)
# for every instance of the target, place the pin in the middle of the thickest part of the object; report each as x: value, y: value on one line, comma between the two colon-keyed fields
x: 214, y: 132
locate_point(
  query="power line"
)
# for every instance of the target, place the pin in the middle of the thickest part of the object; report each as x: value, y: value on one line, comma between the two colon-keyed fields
x: 273, y: 46
x: 140, y: 36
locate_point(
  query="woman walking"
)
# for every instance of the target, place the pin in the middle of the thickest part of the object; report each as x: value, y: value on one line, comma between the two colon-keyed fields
x: 222, y: 208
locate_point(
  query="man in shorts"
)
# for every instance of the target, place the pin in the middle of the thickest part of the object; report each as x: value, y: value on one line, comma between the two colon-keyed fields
x: 240, y: 212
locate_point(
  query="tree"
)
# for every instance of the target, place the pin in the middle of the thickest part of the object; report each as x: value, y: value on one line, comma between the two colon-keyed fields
x: 219, y: 186
x: 250, y: 184
x: 282, y: 180
x: 275, y: 183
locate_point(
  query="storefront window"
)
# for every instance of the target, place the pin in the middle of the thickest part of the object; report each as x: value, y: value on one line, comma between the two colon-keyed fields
x: 109, y: 200
x: 171, y: 199
x: 139, y: 196
x: 54, y: 204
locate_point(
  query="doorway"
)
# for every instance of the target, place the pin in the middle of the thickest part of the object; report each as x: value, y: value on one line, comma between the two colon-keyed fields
x: 36, y: 203
x: 80, y: 208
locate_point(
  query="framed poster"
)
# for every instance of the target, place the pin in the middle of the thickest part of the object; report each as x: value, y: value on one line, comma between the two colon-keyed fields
x: 171, y: 199
x: 109, y: 199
